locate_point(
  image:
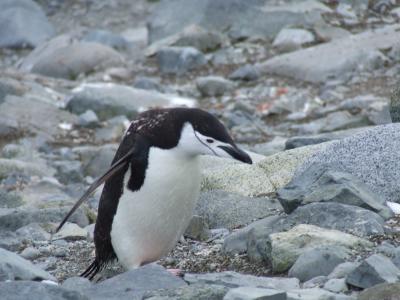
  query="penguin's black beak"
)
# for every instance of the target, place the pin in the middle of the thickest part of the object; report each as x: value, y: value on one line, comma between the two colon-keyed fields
x: 237, y: 154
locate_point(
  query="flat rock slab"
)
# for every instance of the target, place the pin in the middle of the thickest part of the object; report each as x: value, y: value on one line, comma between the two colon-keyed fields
x: 14, y: 267
x: 197, y: 291
x: 372, y: 156
x: 135, y: 283
x: 348, y: 218
x: 338, y: 58
x: 22, y: 290
x: 234, y: 280
x: 316, y: 294
x: 282, y: 249
x: 372, y: 271
x: 252, y: 293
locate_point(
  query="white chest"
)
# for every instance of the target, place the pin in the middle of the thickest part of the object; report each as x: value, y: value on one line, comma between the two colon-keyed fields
x: 149, y: 222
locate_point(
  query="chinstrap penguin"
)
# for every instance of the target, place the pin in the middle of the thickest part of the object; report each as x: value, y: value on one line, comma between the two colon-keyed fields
x: 153, y: 184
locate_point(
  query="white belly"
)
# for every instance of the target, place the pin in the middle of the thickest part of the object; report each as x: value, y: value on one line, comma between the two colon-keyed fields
x: 149, y: 222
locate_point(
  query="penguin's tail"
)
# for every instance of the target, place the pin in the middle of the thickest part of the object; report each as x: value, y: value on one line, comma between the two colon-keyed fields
x: 92, y: 270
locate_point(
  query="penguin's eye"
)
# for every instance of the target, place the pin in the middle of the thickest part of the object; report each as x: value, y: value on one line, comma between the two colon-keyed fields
x: 210, y: 141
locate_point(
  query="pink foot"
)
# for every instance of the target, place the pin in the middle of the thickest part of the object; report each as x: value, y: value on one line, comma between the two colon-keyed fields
x: 176, y: 272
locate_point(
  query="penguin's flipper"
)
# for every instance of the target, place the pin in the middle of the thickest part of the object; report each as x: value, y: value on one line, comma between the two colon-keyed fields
x: 118, y: 165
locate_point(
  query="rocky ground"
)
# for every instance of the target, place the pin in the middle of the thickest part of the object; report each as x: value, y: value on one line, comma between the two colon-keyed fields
x: 308, y: 87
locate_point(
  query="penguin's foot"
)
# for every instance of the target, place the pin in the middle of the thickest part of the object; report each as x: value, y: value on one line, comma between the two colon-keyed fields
x: 176, y: 272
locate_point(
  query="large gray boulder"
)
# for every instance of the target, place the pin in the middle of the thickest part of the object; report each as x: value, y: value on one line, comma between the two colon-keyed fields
x: 108, y: 100
x: 317, y: 262
x: 23, y: 24
x: 372, y: 156
x: 64, y: 58
x: 134, y: 284
x: 336, y: 59
x: 374, y: 270
x: 320, y: 183
x: 388, y: 291
x: 34, y: 116
x: 226, y: 210
x: 282, y: 249
x: 243, y: 18
x: 348, y: 218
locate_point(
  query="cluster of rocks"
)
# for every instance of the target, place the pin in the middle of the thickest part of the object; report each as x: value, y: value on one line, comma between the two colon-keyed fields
x: 305, y: 86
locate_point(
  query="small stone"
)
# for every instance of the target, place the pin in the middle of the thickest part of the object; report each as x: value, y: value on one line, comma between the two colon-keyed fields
x: 147, y: 83
x: 33, y: 232
x: 71, y: 232
x: 113, y: 130
x: 60, y: 252
x: 10, y: 241
x: 344, y: 269
x: 395, y: 105
x: 198, y: 291
x: 19, y: 290
x: 76, y: 283
x: 106, y: 38
x: 373, y: 270
x: 317, y: 262
x: 289, y: 39
x: 68, y: 171
x: 14, y: 267
x: 30, y: 253
x: 211, y: 86
x: 253, y: 293
x: 179, y: 60
x: 197, y: 229
x: 90, y: 231
x: 88, y: 119
x: 245, y: 73
x: 315, y: 282
x: 336, y: 285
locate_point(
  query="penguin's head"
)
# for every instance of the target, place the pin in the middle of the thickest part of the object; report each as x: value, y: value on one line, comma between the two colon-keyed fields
x: 203, y: 134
